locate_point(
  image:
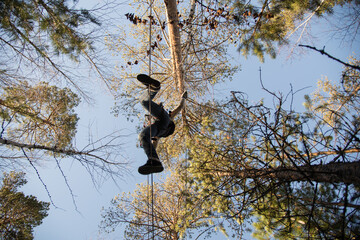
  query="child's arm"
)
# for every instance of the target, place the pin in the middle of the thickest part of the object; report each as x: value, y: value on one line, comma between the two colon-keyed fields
x: 178, y: 108
x: 155, y: 141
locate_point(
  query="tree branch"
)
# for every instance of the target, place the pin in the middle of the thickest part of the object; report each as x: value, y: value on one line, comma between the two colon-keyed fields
x: 68, y: 152
x: 39, y: 177
x: 322, y: 51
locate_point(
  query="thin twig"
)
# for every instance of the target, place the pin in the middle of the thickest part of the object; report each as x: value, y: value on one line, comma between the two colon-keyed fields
x: 322, y: 51
x: 39, y: 177
x: 67, y: 184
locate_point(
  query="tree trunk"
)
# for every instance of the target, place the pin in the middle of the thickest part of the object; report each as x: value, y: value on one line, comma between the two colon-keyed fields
x: 347, y: 173
x: 175, y: 43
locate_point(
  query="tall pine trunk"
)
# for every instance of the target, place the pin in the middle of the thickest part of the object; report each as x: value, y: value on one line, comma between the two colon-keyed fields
x: 338, y: 172
x: 175, y: 43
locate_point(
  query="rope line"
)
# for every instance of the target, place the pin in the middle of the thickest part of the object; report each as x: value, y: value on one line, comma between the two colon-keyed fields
x: 148, y: 207
x: 150, y: 140
x: 152, y: 206
x: 150, y: 36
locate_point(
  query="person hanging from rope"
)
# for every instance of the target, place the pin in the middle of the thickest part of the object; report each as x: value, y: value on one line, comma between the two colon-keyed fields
x: 161, y: 128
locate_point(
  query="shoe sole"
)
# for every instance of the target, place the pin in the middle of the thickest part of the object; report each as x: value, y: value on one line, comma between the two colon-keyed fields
x: 146, y: 170
x: 148, y: 81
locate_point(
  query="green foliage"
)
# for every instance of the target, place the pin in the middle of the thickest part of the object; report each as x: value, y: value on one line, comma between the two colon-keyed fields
x: 234, y: 161
x: 212, y: 147
x: 38, y: 36
x: 236, y: 152
x: 205, y: 60
x: 26, y: 20
x: 39, y: 114
x: 332, y: 102
x: 177, y: 211
x: 19, y: 213
x: 300, y: 212
x: 265, y: 24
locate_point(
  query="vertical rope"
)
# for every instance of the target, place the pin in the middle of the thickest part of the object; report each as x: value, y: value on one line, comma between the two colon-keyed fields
x: 148, y: 207
x: 150, y: 35
x: 186, y: 186
x: 152, y: 177
x: 152, y: 206
x: 150, y: 52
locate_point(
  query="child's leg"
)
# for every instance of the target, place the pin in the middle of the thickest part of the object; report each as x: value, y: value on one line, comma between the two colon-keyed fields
x: 153, y: 108
x: 153, y: 164
x: 145, y: 140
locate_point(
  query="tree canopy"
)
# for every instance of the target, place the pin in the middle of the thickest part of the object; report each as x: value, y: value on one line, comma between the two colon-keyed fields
x: 47, y: 47
x: 293, y: 174
x: 40, y: 114
x: 19, y: 214
x: 209, y: 31
x: 297, y: 172
x: 34, y: 34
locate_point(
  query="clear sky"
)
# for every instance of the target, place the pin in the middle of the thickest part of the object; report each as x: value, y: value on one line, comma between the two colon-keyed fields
x: 65, y: 223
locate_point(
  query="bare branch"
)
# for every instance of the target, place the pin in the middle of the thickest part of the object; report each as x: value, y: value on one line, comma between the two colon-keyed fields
x: 39, y: 177
x: 322, y: 51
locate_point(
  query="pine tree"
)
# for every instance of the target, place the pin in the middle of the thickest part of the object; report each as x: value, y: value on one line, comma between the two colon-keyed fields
x: 40, y: 114
x: 176, y: 212
x: 19, y: 214
x: 43, y: 44
x: 298, y: 173
x: 36, y: 36
x: 240, y: 155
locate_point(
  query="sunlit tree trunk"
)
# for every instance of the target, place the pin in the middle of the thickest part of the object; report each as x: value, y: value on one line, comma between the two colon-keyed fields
x: 346, y: 172
x: 175, y: 43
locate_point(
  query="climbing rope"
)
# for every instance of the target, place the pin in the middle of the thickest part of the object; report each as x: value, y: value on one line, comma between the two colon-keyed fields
x: 149, y: 92
x: 150, y: 182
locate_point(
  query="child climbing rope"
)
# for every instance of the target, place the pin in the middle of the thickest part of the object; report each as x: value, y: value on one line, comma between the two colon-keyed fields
x: 161, y: 128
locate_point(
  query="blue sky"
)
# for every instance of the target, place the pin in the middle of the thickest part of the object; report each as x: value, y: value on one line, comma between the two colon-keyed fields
x: 65, y: 223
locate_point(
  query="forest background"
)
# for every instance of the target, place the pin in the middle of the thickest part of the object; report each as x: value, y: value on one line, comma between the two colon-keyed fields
x: 301, y: 69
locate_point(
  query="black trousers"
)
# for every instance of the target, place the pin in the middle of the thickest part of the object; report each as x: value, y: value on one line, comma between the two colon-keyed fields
x: 157, y: 128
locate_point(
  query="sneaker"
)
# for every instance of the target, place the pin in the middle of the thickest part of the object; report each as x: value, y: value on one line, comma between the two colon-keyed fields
x: 151, y: 166
x: 148, y: 81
